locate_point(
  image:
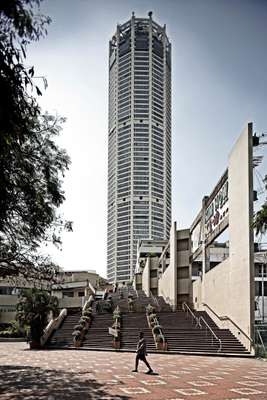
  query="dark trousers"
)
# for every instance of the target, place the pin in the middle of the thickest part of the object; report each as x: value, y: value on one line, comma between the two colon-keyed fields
x: 141, y: 357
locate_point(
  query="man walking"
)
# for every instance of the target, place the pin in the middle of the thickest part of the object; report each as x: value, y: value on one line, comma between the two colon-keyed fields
x: 141, y: 354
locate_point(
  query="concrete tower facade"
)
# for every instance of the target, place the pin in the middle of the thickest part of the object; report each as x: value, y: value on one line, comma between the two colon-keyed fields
x: 139, y: 153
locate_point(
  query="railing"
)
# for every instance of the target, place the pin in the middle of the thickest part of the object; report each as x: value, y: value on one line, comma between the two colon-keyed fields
x: 88, y: 303
x: 234, y: 324
x: 116, y: 327
x: 52, y: 326
x: 257, y: 332
x: 91, y: 287
x: 153, y: 323
x: 155, y: 301
x: 187, y: 309
x: 213, y: 334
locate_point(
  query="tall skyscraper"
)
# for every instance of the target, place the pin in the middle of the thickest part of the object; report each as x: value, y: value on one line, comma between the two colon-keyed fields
x: 139, y: 153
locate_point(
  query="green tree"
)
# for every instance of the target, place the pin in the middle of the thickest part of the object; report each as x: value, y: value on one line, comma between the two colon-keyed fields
x: 31, y: 164
x: 260, y: 218
x: 33, y: 309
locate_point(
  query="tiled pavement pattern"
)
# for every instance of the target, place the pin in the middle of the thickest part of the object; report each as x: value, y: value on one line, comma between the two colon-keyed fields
x: 74, y: 374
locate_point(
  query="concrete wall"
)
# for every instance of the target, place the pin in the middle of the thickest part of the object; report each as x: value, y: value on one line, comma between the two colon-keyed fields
x: 241, y: 246
x: 229, y: 287
x: 70, y: 302
x: 154, y: 265
x: 137, y: 282
x: 78, y: 276
x: 183, y: 272
x: 8, y: 305
x: 168, y: 280
x: 217, y: 291
x: 146, y: 277
x: 8, y: 308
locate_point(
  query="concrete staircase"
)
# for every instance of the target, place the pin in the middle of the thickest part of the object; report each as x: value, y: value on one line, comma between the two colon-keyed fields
x: 97, y: 336
x: 183, y: 336
x: 131, y: 325
x: 162, y: 306
x: 62, y: 337
x: 230, y: 344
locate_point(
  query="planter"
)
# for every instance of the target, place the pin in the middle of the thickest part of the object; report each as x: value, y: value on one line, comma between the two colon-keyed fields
x: 78, y: 327
x: 34, y: 345
x: 162, y: 346
x: 152, y: 316
x: 156, y: 330
x: 77, y: 342
x: 152, y: 324
x: 116, y: 344
x: 85, y: 320
x: 150, y: 309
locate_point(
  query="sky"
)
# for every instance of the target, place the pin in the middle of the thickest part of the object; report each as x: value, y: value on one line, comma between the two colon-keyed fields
x: 219, y: 83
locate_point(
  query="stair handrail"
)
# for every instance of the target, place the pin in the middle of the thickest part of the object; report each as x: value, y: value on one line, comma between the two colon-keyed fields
x: 114, y: 330
x: 81, y: 328
x: 257, y: 332
x: 91, y: 287
x: 226, y: 318
x: 52, y: 326
x: 155, y: 300
x: 88, y: 303
x: 187, y: 309
x: 212, y: 333
x: 156, y: 325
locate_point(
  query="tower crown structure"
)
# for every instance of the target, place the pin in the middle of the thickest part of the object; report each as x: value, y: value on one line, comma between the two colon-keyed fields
x: 139, y: 159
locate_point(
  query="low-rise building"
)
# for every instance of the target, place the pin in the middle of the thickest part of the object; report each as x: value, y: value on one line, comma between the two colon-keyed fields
x: 72, y: 289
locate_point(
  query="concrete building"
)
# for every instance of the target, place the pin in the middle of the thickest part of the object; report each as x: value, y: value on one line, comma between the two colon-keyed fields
x: 220, y: 278
x: 147, y: 265
x: 72, y: 290
x: 261, y: 286
x: 139, y: 153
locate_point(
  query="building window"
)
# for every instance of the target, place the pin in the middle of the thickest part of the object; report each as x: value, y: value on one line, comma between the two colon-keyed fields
x: 182, y: 244
x: 258, y: 288
x: 68, y: 294
x: 153, y: 273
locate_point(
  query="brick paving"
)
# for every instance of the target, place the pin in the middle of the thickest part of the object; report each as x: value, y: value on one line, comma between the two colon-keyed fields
x: 59, y: 374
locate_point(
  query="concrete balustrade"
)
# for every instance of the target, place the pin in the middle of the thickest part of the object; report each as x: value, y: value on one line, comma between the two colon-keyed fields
x: 52, y: 326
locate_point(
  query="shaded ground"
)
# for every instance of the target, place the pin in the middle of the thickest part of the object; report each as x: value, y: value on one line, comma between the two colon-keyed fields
x: 60, y: 374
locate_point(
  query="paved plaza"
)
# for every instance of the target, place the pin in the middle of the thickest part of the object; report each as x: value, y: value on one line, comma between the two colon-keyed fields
x: 77, y: 374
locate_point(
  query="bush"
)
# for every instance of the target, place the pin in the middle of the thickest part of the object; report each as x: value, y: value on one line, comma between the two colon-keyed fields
x: 87, y: 313
x: 76, y: 334
x: 159, y: 338
x: 14, y: 330
x: 260, y: 351
x: 33, y: 309
x: 78, y: 327
x: 150, y: 309
x: 85, y: 318
x: 156, y: 329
